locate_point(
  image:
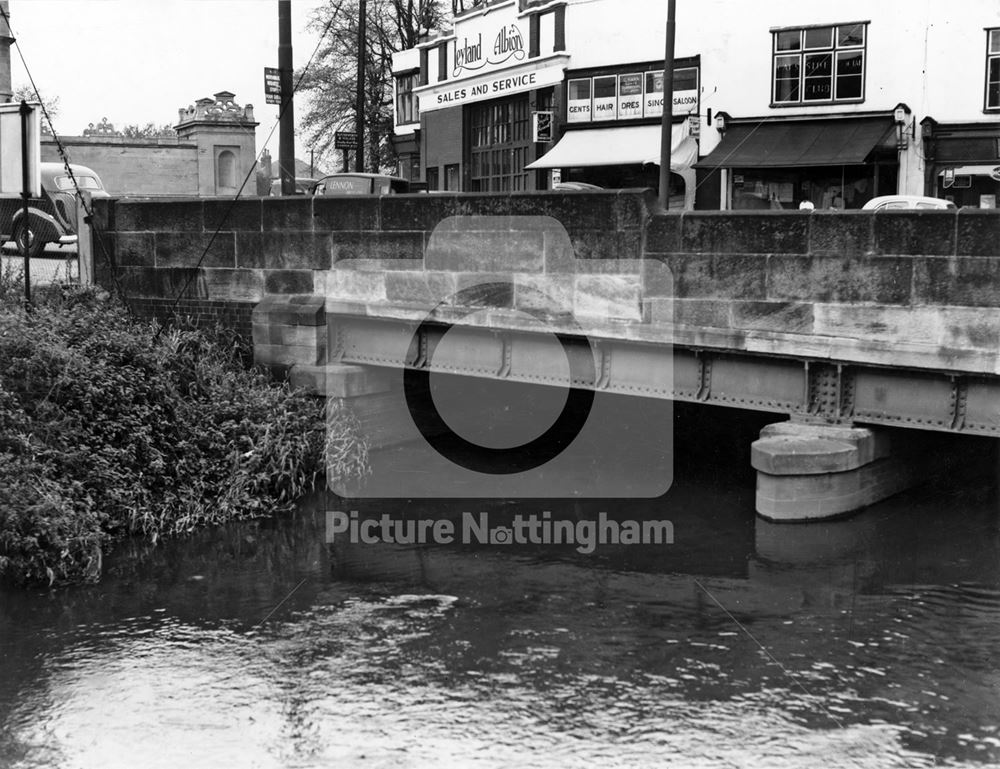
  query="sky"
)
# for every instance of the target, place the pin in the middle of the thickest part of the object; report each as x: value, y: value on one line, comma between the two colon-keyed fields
x: 138, y: 61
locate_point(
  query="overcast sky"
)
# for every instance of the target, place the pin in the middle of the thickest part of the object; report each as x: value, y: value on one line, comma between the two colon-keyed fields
x: 138, y: 61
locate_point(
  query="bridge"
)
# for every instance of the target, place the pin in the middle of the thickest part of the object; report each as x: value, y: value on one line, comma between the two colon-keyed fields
x: 855, y: 329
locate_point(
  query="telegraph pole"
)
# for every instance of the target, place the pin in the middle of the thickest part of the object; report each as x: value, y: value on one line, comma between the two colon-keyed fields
x: 667, y: 126
x: 359, y: 153
x: 286, y: 119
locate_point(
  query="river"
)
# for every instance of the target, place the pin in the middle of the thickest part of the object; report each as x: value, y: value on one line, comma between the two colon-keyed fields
x: 867, y: 642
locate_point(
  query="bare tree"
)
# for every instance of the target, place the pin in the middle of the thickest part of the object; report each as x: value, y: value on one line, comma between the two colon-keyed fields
x: 148, y: 131
x: 330, y: 83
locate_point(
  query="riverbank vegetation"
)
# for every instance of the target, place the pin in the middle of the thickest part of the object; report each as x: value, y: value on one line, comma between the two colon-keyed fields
x: 110, y: 429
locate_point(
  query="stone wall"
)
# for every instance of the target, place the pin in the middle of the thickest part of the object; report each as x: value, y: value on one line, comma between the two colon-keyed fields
x: 165, y: 167
x: 914, y: 289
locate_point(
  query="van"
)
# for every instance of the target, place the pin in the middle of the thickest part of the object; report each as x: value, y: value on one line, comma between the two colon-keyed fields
x: 361, y: 184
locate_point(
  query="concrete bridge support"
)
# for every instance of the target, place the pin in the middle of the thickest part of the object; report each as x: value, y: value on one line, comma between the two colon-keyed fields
x: 809, y: 472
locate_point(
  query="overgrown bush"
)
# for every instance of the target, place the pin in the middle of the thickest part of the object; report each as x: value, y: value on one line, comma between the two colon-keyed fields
x: 107, y: 430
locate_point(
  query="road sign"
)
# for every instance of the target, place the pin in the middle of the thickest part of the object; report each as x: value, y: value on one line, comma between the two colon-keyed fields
x: 345, y: 140
x: 272, y: 85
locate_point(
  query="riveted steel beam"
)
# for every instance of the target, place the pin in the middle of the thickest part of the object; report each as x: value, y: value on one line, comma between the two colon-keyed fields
x: 824, y: 390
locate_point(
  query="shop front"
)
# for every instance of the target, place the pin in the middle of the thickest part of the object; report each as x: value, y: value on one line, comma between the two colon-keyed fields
x: 962, y: 162
x: 613, y: 128
x: 484, y: 90
x: 832, y: 163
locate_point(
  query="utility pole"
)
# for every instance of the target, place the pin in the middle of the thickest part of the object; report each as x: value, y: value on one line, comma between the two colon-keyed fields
x: 359, y: 153
x: 286, y: 119
x: 667, y: 126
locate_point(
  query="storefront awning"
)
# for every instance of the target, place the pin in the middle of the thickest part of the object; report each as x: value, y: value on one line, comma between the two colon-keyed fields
x: 627, y: 145
x: 797, y: 143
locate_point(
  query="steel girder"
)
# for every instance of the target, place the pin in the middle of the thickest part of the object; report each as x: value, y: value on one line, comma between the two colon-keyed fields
x: 822, y: 390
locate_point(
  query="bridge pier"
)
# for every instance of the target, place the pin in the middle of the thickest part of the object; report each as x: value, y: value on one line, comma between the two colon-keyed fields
x: 808, y: 472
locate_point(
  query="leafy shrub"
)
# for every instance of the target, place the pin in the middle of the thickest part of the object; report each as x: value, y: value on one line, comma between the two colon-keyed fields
x: 108, y: 429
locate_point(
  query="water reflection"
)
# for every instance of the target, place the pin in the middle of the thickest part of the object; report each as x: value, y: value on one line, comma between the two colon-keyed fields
x: 867, y: 642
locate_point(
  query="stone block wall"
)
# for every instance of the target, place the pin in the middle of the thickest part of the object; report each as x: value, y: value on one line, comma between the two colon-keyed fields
x: 915, y: 289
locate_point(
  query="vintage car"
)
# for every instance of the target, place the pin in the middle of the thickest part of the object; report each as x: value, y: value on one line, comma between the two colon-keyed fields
x: 304, y: 185
x: 906, y: 203
x: 361, y: 184
x: 51, y: 217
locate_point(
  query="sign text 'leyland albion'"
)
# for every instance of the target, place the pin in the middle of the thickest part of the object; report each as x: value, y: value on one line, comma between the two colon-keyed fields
x: 469, y: 55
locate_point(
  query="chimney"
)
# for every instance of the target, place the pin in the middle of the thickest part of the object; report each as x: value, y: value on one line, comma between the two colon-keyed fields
x: 6, y: 92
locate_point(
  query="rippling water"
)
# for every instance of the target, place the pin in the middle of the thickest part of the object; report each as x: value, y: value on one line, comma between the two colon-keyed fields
x: 871, y: 642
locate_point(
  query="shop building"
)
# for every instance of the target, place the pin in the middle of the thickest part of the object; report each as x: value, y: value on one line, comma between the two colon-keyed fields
x: 839, y: 105
x: 520, y: 95
x: 775, y: 103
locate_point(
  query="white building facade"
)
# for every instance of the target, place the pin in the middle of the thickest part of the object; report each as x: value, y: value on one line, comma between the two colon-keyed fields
x: 775, y: 102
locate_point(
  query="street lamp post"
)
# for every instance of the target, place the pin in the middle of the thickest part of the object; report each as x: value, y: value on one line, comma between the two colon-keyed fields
x: 286, y: 119
x: 359, y: 153
x: 666, y: 132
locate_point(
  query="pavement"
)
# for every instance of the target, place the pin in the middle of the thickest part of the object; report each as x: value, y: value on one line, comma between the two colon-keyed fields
x: 53, y: 266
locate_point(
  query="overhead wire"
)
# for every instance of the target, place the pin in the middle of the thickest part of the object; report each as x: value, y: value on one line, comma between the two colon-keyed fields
x: 88, y: 209
x: 87, y: 205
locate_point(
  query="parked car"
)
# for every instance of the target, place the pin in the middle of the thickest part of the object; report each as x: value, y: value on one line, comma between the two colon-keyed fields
x: 52, y: 217
x: 361, y: 184
x: 575, y: 186
x: 303, y: 185
x: 905, y: 202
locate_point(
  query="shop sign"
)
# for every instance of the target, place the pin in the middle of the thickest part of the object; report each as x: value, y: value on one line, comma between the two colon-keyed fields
x: 486, y: 42
x: 449, y: 94
x: 630, y: 95
x: 541, y: 127
x: 633, y: 95
x: 578, y: 100
x: 605, y: 98
x: 987, y: 201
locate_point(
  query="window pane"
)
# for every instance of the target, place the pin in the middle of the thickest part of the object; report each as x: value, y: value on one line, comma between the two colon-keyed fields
x: 789, y: 40
x: 786, y: 90
x: 993, y: 86
x: 851, y: 35
x: 995, y: 41
x: 818, y: 77
x: 686, y: 79
x: 786, y: 78
x: 819, y: 38
x: 850, y: 68
x: 605, y: 87
x: 579, y: 89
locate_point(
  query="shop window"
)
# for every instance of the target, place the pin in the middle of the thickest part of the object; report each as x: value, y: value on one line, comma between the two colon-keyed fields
x: 993, y: 69
x: 819, y: 64
x: 500, y: 139
x: 407, y: 110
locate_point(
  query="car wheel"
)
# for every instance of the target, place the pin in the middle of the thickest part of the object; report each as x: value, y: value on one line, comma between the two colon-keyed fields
x: 35, y: 245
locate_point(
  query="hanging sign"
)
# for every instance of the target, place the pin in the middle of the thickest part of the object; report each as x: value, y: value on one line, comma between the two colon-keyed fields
x: 272, y: 85
x: 541, y: 127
